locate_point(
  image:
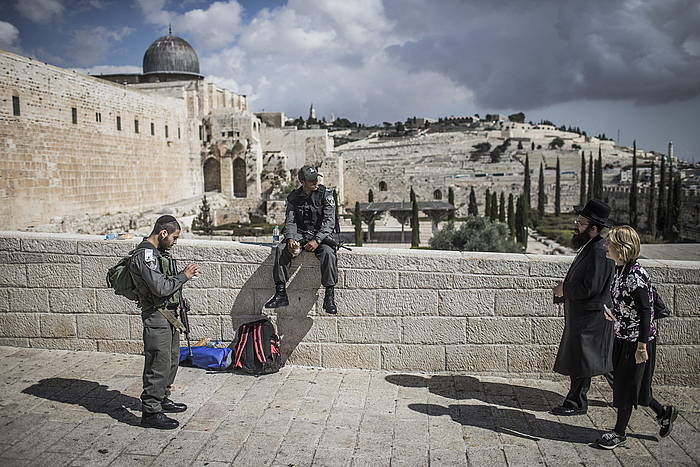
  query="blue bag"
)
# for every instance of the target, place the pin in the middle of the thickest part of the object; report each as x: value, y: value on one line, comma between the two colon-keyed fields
x: 209, y: 358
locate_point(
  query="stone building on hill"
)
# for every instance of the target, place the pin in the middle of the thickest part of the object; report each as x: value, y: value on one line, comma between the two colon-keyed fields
x: 74, y: 144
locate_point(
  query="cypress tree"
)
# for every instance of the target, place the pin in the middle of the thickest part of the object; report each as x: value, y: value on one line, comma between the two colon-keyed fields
x: 582, y: 197
x: 502, y: 208
x: 598, y: 185
x: 557, y: 191
x: 540, y: 192
x: 511, y: 214
x: 451, y: 200
x: 675, y: 212
x: 590, y: 175
x: 661, y: 204
x: 473, y: 209
x: 494, y: 207
x: 520, y: 235
x: 668, y: 230
x: 415, y: 229
x: 651, y: 213
x: 357, y: 220
x: 634, y: 188
x: 412, y: 197
x: 487, y: 203
x: 526, y: 183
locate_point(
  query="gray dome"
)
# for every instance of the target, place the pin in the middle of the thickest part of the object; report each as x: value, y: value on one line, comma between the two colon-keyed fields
x: 170, y: 54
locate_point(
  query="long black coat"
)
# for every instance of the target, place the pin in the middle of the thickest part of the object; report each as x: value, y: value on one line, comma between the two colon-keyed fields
x: 586, y: 344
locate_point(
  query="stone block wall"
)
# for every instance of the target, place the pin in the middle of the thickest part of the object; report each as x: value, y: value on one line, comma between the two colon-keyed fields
x: 399, y: 310
x: 53, y: 167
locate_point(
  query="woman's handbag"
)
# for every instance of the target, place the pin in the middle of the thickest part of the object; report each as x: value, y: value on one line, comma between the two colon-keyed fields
x: 660, y: 309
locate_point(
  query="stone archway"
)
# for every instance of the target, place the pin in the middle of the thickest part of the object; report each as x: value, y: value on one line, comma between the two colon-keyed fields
x: 240, y: 188
x: 212, y: 175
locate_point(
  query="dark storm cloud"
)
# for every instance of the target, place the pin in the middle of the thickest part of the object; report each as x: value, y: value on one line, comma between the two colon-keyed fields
x: 529, y: 54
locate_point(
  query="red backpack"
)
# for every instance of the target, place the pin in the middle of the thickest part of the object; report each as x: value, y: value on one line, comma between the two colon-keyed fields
x: 257, y: 349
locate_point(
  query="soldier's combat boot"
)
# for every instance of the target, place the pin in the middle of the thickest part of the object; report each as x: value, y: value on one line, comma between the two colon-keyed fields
x: 329, y: 301
x: 158, y: 420
x: 280, y: 298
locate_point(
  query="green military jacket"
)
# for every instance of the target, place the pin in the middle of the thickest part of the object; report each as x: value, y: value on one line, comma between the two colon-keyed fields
x: 157, y: 281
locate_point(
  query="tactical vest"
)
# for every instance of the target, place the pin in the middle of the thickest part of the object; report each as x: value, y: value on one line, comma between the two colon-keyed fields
x: 148, y: 301
x: 308, y: 213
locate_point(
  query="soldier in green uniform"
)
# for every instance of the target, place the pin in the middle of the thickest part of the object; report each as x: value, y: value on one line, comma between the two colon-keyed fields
x: 158, y: 285
x: 310, y: 220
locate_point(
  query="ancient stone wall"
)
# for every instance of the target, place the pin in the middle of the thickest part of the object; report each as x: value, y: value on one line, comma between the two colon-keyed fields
x: 65, y: 155
x: 478, y: 313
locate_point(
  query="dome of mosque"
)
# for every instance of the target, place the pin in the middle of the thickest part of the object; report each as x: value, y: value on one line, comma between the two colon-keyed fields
x: 170, y: 54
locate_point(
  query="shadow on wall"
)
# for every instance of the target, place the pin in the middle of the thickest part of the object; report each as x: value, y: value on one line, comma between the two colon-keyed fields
x: 292, y: 322
x: 93, y: 396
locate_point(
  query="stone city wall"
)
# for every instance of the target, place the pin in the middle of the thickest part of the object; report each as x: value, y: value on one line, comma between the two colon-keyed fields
x: 53, y: 167
x: 479, y: 313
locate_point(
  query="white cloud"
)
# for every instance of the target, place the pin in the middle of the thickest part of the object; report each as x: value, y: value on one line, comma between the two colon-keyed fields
x: 9, y: 37
x: 40, y: 11
x: 211, y: 28
x: 90, y: 45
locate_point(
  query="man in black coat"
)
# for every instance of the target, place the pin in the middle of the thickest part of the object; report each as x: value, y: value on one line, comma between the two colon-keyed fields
x: 586, y: 344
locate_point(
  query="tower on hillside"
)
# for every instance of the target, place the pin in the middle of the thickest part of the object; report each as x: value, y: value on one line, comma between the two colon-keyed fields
x: 312, y: 114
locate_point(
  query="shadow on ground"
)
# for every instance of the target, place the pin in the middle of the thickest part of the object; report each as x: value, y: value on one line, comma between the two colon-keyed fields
x: 468, y: 387
x: 90, y: 395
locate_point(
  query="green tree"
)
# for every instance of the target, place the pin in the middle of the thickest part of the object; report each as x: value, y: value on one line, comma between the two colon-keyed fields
x: 598, y: 178
x: 651, y: 208
x: 675, y: 212
x: 203, y: 221
x: 583, y: 197
x: 520, y: 232
x: 590, y: 175
x: 557, y: 191
x: 661, y: 203
x: 494, y: 207
x: 532, y: 146
x: 451, y: 200
x: 412, y: 197
x: 556, y: 143
x: 475, y: 234
x: 527, y: 182
x: 357, y: 220
x: 517, y: 117
x: 540, y: 192
x: 487, y: 203
x: 415, y: 228
x: 668, y: 229
x: 634, y: 188
x: 502, y: 208
x: 473, y: 209
x: 511, y: 215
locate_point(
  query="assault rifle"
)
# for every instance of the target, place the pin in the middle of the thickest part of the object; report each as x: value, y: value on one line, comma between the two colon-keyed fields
x: 184, y: 317
x: 329, y: 240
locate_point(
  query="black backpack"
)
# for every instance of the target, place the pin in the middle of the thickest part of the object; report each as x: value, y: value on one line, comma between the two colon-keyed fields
x: 257, y: 349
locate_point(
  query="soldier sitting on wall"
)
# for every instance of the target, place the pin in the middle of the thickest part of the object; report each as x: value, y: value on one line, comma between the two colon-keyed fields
x: 310, y: 224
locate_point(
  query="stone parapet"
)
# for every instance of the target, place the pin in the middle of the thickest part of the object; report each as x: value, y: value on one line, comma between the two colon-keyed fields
x: 416, y: 310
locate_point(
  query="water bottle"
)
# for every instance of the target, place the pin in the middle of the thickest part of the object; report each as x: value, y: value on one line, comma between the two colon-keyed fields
x: 276, y: 235
x: 110, y: 236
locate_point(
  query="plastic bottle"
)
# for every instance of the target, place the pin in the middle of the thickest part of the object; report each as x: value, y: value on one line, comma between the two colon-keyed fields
x: 110, y: 236
x: 276, y: 235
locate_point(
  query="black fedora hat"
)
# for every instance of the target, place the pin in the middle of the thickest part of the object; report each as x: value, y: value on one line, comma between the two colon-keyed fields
x: 597, y: 211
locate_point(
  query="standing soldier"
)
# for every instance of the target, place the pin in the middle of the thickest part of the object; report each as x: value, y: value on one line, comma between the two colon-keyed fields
x: 310, y: 221
x: 158, y: 284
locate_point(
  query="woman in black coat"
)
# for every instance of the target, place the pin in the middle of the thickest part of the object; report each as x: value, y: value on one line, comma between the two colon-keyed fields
x: 634, y: 348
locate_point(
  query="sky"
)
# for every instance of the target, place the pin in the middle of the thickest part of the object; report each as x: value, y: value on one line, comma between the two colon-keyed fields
x: 605, y: 66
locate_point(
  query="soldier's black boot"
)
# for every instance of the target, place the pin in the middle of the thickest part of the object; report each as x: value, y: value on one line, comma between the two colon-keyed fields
x: 280, y: 298
x: 158, y: 420
x: 329, y: 301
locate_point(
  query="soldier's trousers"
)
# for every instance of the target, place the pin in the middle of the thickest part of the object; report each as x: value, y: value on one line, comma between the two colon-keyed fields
x: 162, y: 352
x: 325, y: 254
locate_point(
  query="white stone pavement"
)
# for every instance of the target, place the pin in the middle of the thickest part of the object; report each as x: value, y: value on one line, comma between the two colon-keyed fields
x: 82, y: 408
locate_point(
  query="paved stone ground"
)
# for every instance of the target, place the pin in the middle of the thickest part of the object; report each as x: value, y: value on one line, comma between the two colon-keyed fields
x: 82, y: 408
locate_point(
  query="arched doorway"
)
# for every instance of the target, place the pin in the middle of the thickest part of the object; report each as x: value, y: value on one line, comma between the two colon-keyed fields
x: 212, y: 175
x: 240, y: 190
x: 382, y: 186
x: 437, y: 194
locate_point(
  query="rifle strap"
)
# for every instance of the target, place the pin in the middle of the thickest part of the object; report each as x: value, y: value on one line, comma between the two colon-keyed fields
x: 172, y: 319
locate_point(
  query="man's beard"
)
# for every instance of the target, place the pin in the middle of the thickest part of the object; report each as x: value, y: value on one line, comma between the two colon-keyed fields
x: 580, y: 239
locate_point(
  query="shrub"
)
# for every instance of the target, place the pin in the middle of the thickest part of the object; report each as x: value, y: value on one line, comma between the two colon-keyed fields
x: 475, y: 234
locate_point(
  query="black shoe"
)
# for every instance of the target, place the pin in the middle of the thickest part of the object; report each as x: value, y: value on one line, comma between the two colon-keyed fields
x: 158, y: 420
x: 611, y: 440
x: 564, y: 410
x: 329, y: 301
x: 169, y: 406
x: 279, y: 299
x: 666, y: 421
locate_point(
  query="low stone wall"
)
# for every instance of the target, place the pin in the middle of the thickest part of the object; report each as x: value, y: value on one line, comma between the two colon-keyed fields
x: 398, y: 309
